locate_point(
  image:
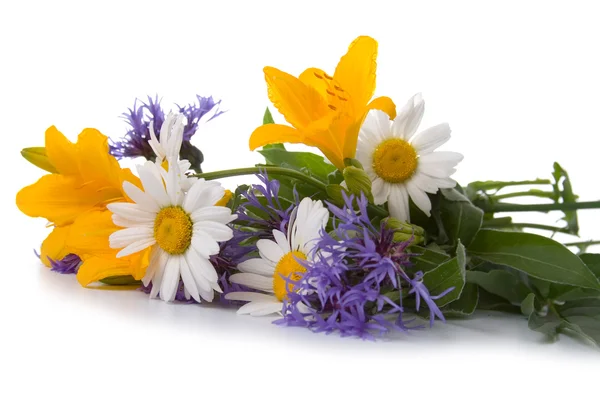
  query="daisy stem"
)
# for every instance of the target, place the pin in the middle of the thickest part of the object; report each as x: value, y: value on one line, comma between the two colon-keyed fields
x: 279, y: 171
x: 549, y: 195
x: 583, y: 243
x: 508, y: 207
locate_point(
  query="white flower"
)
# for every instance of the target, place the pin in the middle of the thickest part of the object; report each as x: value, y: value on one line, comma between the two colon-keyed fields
x: 182, y: 228
x: 278, y: 260
x: 167, y: 148
x: 401, y: 164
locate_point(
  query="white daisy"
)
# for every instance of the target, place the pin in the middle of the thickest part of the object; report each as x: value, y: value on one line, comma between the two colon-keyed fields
x: 401, y: 164
x: 182, y: 228
x: 167, y: 148
x: 278, y: 260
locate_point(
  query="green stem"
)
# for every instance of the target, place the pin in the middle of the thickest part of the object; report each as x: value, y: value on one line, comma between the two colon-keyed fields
x: 509, y: 207
x: 584, y: 243
x: 548, y: 195
x: 257, y: 170
x: 479, y: 185
x: 539, y: 226
x: 279, y: 171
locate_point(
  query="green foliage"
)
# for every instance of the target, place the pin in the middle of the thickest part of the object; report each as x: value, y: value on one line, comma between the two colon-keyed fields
x: 122, y: 280
x: 450, y: 274
x: 37, y: 156
x: 534, y: 255
x: 358, y: 182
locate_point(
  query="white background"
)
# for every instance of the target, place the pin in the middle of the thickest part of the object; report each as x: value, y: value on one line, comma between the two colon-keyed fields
x: 517, y: 81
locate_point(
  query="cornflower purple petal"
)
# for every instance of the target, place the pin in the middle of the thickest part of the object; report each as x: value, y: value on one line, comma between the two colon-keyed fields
x: 69, y: 264
x: 345, y: 287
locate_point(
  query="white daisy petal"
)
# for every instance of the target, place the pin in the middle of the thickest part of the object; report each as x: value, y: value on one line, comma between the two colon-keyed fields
x: 257, y: 266
x: 252, y: 296
x: 131, y: 212
x: 282, y: 241
x: 436, y: 170
x: 449, y: 158
x: 380, y: 190
x: 158, y: 276
x: 253, y: 281
x: 205, y: 245
x: 135, y: 247
x: 259, y: 308
x: 269, y: 250
x: 141, y: 199
x: 125, y: 237
x: 431, y: 138
x: 157, y: 257
x: 213, y: 213
x: 189, y: 283
x: 419, y: 197
x: 376, y: 125
x: 201, y: 265
x: 409, y: 118
x: 153, y: 185
x: 170, y: 281
x: 398, y: 203
x: 203, y: 194
x: 217, y: 230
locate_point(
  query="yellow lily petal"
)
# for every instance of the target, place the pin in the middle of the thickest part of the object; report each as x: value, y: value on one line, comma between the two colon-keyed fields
x: 89, y: 239
x: 95, y: 268
x: 54, y: 245
x: 384, y: 104
x: 60, y: 198
x: 300, y: 104
x: 274, y: 133
x: 356, y: 70
x: 96, y: 163
x: 89, y: 234
x: 61, y: 152
x: 225, y: 199
x: 313, y: 77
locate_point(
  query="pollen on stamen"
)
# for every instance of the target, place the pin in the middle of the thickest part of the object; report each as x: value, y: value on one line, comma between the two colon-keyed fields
x: 318, y: 76
x: 334, y: 108
x: 338, y: 88
x: 327, y: 76
x: 342, y: 98
x: 329, y: 92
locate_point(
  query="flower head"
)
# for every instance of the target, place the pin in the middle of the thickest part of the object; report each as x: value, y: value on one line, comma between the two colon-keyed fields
x: 144, y: 116
x: 281, y: 261
x: 325, y: 111
x: 264, y: 211
x: 358, y: 280
x: 69, y: 264
x: 87, y: 178
x: 181, y: 229
x: 402, y: 165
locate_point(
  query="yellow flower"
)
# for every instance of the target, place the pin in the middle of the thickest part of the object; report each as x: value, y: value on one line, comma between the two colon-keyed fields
x: 87, y: 179
x: 325, y: 111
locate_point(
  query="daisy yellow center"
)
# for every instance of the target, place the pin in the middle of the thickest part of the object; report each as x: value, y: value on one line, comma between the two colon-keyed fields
x: 173, y: 230
x: 394, y: 160
x: 289, y: 269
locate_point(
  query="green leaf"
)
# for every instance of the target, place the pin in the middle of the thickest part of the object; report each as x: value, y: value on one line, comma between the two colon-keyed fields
x: 268, y: 118
x: 461, y: 219
x: 37, y: 156
x: 120, y: 280
x: 583, y: 318
x: 501, y: 283
x: 489, y: 301
x: 309, y: 163
x: 450, y: 274
x: 528, y: 305
x: 592, y: 261
x: 548, y: 324
x: 427, y: 259
x: 535, y: 255
x: 335, y: 194
x: 466, y: 304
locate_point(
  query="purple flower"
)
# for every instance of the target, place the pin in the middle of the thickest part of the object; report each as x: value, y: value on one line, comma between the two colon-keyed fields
x: 68, y: 265
x: 360, y: 280
x: 263, y: 210
x: 135, y: 142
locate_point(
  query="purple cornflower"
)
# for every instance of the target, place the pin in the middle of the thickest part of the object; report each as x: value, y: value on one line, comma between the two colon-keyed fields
x: 359, y: 281
x: 135, y: 142
x: 264, y: 210
x: 69, y: 264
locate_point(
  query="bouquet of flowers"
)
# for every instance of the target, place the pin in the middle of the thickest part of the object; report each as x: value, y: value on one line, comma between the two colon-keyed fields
x: 373, y: 236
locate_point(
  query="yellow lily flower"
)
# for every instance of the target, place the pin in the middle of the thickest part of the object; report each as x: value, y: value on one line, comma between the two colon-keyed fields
x: 325, y: 111
x: 87, y: 179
